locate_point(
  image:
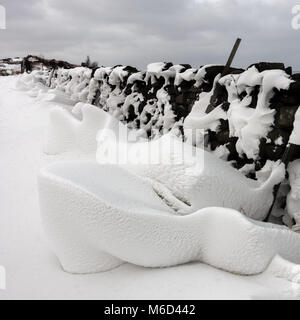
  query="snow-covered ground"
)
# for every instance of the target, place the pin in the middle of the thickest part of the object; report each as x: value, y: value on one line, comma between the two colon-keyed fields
x: 33, y: 271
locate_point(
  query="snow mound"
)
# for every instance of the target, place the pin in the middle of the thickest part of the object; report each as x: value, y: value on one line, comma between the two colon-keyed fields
x: 95, y: 224
x: 57, y: 96
x: 190, y: 178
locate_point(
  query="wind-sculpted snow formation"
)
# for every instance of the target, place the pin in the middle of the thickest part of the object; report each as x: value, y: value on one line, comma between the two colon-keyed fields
x: 189, y: 178
x: 99, y: 216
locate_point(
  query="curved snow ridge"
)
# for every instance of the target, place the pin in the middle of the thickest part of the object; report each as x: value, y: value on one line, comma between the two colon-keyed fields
x: 192, y: 175
x: 94, y: 224
x: 76, y: 131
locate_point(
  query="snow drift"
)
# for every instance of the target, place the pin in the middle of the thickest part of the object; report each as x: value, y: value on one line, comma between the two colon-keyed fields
x: 95, y: 223
x: 148, y: 214
x: 190, y: 178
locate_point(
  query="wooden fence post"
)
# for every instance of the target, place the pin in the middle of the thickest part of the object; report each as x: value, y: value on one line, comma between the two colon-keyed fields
x: 225, y: 71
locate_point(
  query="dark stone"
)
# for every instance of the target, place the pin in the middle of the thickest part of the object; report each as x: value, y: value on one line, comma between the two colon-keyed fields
x: 219, y: 96
x: 236, y: 70
x: 233, y: 155
x: 212, y: 140
x: 289, y: 70
x: 141, y: 106
x: 186, y: 66
x: 185, y: 86
x: 296, y: 153
x: 131, y: 69
x: 277, y: 133
x: 167, y: 65
x: 285, y: 98
x: 171, y: 90
x: 180, y: 111
x: 158, y: 84
x: 179, y: 99
x: 188, y: 100
x: 196, y: 90
x: 294, y: 89
x: 259, y: 164
x: 284, y: 118
x: 212, y: 72
x: 254, y: 95
x: 296, y: 76
x: 223, y: 136
x: 131, y: 114
x: 262, y: 66
x: 225, y: 105
x: 270, y: 151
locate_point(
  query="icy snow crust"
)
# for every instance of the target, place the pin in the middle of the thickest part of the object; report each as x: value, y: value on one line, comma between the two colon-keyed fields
x: 98, y: 216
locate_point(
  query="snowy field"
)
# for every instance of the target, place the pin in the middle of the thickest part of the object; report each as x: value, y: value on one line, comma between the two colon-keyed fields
x: 33, y: 271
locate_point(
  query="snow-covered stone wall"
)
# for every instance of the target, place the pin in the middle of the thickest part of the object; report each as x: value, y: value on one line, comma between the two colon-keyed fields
x: 247, y: 116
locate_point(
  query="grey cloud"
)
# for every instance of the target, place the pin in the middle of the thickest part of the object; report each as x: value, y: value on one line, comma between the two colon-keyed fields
x: 137, y: 32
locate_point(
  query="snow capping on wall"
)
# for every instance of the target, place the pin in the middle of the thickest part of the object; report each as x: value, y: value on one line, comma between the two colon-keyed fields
x: 250, y: 124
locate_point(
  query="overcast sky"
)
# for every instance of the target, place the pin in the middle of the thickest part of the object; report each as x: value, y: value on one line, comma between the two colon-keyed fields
x: 136, y: 32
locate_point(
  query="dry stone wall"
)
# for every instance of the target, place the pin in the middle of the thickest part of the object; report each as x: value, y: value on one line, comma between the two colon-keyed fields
x: 162, y: 97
